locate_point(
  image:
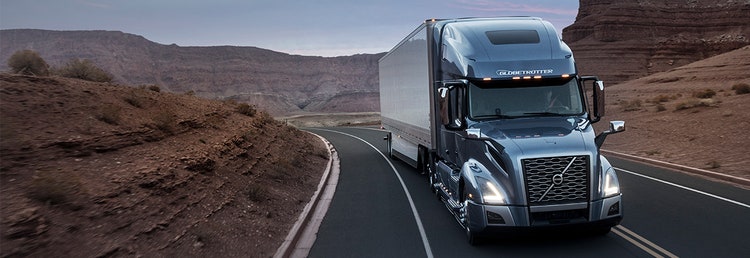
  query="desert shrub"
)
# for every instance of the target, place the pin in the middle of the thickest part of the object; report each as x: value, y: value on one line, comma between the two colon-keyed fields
x: 282, y: 167
x: 662, y: 99
x: 691, y: 103
x: 256, y: 193
x: 262, y: 119
x: 704, y: 94
x: 109, y: 114
x: 634, y: 105
x: 28, y: 62
x: 245, y: 109
x: 134, y: 100
x: 713, y: 164
x: 164, y: 121
x: 53, y: 187
x: 660, y: 107
x: 154, y: 88
x: 84, y: 70
x: 741, y: 88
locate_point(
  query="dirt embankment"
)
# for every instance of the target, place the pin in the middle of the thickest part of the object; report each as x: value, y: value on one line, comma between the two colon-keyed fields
x: 97, y: 170
x: 694, y: 115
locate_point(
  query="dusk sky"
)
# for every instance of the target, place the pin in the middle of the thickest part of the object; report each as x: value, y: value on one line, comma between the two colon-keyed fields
x: 317, y: 28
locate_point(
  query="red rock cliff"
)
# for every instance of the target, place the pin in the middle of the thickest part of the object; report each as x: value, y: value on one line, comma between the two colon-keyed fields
x: 620, y: 40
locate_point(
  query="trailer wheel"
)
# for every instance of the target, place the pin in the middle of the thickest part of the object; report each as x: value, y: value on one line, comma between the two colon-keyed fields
x: 389, y: 144
x: 422, y: 160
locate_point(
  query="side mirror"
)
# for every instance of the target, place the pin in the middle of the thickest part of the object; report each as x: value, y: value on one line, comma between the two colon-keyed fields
x: 598, y: 97
x: 614, y: 127
x: 451, y: 95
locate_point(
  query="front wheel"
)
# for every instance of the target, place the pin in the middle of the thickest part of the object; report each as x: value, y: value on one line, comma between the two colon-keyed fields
x: 429, y: 169
x: 471, y: 236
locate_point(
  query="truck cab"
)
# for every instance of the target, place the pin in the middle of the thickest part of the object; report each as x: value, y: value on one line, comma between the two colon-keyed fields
x: 509, y: 143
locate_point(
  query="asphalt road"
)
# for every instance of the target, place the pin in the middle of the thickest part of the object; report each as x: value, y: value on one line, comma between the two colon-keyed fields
x: 381, y: 212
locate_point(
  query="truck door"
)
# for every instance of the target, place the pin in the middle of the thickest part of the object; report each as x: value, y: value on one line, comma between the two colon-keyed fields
x: 449, y: 149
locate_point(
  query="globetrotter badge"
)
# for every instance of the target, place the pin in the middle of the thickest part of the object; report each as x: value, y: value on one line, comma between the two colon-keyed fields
x: 524, y: 72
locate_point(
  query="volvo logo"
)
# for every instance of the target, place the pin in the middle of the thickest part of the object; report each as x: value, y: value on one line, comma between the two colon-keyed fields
x: 557, y: 179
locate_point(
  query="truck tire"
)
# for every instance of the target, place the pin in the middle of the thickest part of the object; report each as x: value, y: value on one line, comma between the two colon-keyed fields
x: 422, y: 160
x: 389, y: 145
x: 431, y: 173
x: 471, y: 236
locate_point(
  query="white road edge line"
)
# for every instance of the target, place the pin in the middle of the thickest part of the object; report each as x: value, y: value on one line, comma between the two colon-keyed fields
x: 422, y: 233
x: 619, y: 228
x: 686, y: 188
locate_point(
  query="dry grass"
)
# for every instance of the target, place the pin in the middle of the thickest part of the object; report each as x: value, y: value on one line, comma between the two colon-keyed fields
x: 633, y: 105
x: 110, y: 114
x: 134, y: 100
x: 245, y: 109
x: 704, y: 94
x: 694, y: 102
x: 741, y: 88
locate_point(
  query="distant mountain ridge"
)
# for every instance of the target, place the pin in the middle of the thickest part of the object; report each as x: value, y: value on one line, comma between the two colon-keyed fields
x: 617, y: 40
x: 278, y: 82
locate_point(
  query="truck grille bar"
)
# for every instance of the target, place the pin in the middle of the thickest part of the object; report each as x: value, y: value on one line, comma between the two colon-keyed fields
x: 556, y: 180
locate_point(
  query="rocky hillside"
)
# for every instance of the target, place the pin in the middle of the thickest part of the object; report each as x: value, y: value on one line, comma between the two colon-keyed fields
x: 102, y: 170
x: 277, y: 82
x: 694, y: 115
x: 620, y: 40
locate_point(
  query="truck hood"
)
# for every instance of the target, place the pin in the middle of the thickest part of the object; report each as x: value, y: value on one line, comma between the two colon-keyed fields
x: 541, y: 136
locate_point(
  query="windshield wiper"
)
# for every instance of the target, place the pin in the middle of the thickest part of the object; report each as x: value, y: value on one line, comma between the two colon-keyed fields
x: 545, y: 114
x: 492, y: 116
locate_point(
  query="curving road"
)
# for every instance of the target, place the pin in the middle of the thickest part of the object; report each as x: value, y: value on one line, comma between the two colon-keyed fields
x: 383, y: 208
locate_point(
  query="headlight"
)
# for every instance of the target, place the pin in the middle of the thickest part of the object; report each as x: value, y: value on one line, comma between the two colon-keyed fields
x: 610, y: 184
x: 491, y: 193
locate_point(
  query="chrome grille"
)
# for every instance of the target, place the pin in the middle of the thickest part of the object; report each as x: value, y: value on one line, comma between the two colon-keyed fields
x: 555, y: 180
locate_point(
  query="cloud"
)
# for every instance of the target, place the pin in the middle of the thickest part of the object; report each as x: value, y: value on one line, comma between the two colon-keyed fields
x: 502, y: 6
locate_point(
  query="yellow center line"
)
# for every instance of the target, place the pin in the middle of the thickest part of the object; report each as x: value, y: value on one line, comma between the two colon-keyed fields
x: 624, y: 232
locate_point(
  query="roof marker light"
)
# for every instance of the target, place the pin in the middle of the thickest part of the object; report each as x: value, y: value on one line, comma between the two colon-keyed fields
x: 537, y: 77
x: 566, y: 75
x: 526, y: 77
x: 516, y: 78
x: 487, y: 79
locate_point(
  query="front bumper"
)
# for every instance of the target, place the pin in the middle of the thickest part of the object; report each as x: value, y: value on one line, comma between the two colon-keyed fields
x: 493, y: 219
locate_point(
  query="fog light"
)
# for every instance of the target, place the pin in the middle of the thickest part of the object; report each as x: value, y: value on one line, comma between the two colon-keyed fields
x: 614, y: 209
x: 494, y: 218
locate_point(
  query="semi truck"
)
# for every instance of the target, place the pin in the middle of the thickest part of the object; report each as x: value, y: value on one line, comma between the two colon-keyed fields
x: 495, y: 113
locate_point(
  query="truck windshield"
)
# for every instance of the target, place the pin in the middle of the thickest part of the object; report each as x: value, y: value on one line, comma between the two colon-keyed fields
x: 492, y: 100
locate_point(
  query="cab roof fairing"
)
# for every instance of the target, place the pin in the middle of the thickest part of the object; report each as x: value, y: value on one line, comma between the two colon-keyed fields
x: 467, y: 51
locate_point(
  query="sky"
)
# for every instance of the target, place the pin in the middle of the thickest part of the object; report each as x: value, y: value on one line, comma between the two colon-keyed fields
x: 312, y: 28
